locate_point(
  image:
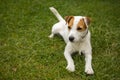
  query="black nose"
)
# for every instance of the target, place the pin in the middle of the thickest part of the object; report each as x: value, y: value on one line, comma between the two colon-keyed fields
x: 71, y: 38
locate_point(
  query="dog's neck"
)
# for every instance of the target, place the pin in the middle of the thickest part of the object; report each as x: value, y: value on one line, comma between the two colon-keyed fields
x: 85, y: 34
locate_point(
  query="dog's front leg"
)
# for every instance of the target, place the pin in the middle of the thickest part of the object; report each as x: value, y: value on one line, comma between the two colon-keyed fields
x: 88, y: 66
x: 68, y: 57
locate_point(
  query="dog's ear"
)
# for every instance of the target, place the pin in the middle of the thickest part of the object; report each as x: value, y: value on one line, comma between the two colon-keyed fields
x: 68, y: 18
x: 88, y: 20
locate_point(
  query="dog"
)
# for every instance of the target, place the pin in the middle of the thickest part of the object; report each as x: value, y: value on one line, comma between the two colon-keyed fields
x: 74, y: 30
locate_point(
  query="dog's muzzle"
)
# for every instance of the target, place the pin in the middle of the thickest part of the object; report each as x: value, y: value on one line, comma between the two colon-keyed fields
x: 71, y: 38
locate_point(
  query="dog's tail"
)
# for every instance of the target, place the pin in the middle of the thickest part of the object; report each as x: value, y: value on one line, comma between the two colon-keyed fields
x: 55, y: 12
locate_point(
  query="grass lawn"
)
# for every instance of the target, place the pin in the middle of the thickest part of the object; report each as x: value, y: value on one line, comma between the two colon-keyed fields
x: 26, y: 52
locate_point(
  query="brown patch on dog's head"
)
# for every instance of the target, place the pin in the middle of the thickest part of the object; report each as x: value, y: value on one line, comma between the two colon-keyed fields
x: 81, y: 26
x: 69, y: 20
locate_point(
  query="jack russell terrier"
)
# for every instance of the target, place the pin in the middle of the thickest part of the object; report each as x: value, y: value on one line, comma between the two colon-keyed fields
x: 74, y: 30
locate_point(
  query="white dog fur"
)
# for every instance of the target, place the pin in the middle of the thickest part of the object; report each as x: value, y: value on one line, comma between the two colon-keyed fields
x: 74, y: 30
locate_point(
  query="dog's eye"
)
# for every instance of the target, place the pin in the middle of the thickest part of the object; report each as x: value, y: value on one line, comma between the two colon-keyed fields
x: 69, y: 27
x: 79, y: 28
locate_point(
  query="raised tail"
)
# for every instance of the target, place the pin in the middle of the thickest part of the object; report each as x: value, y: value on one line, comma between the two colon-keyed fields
x: 55, y: 12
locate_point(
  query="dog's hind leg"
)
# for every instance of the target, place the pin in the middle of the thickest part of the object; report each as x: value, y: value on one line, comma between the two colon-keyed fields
x: 51, y: 35
x: 54, y: 31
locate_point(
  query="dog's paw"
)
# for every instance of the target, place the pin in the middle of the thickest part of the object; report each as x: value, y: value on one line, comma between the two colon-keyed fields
x: 51, y: 36
x: 70, y: 68
x: 89, y: 71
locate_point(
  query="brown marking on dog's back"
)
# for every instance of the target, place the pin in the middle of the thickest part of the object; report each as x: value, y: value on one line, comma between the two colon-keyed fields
x: 81, y: 26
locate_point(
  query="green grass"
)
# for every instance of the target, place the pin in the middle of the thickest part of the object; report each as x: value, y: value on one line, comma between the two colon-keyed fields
x: 26, y: 53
